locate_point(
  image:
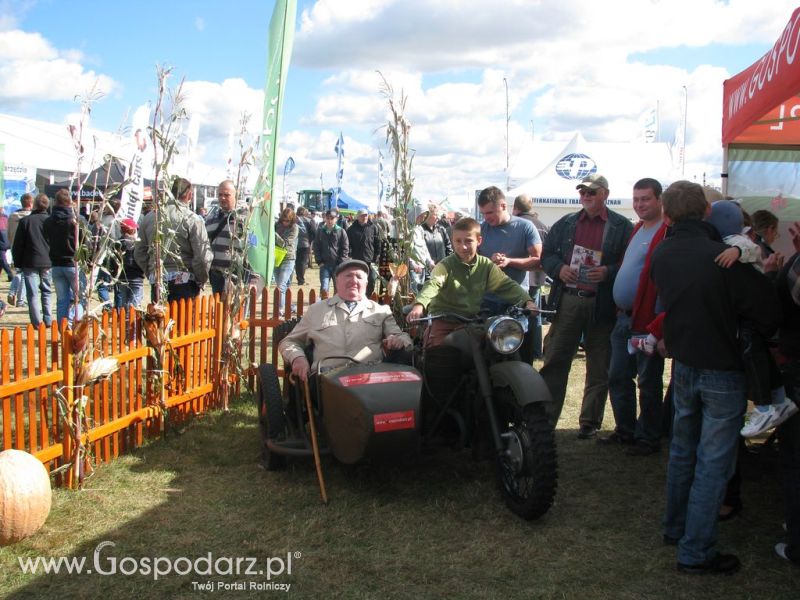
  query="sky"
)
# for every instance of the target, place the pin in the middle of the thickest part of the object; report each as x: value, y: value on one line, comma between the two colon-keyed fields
x: 568, y: 66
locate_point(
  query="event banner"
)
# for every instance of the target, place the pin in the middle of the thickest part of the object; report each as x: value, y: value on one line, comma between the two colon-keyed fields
x: 261, y: 227
x: 16, y: 180
x: 132, y: 196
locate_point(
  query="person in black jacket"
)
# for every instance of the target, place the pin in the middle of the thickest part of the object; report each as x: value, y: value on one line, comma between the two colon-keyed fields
x: 788, y: 284
x: 582, y: 294
x: 61, y: 230
x: 331, y: 248
x: 306, y: 230
x: 365, y: 244
x: 704, y: 304
x: 31, y: 254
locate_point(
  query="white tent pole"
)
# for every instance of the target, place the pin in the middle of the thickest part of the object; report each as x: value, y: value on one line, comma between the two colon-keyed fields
x: 724, y: 174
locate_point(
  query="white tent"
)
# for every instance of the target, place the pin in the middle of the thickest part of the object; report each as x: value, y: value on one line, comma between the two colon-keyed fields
x: 49, y: 147
x: 550, y: 171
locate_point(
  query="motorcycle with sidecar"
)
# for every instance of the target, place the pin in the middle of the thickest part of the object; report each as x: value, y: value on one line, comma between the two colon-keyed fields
x: 388, y: 411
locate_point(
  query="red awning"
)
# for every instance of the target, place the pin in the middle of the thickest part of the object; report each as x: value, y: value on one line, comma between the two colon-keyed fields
x: 761, y: 104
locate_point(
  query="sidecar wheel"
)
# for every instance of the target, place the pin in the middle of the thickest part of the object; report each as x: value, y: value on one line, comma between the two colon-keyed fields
x: 527, y: 471
x: 271, y: 418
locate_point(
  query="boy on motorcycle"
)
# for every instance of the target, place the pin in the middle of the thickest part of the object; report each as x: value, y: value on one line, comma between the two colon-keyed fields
x: 459, y: 282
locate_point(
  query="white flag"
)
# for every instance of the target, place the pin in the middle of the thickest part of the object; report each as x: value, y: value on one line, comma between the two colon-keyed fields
x: 649, y: 125
x: 132, y: 195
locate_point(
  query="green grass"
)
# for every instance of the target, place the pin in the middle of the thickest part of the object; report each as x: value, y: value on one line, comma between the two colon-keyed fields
x: 437, y: 529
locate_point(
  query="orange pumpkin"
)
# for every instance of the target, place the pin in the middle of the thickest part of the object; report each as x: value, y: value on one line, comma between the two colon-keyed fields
x: 24, y: 495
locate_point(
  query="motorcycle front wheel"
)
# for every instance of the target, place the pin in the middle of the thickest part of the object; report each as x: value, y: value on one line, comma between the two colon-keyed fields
x: 527, y: 470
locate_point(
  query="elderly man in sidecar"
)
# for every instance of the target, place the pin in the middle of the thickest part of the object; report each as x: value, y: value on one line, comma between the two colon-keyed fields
x: 347, y: 324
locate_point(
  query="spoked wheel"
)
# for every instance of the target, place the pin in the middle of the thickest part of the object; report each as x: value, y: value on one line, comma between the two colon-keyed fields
x: 527, y: 471
x: 271, y: 418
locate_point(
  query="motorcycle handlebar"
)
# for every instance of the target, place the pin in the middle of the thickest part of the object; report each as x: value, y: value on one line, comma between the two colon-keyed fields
x: 480, y: 317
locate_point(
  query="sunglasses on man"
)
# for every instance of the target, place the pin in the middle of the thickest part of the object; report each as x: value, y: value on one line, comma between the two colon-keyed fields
x: 587, y: 192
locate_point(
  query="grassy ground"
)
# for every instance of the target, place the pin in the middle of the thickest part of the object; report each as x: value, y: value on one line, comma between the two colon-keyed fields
x: 436, y: 529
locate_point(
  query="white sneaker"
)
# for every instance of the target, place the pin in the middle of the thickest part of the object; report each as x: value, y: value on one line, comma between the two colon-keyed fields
x: 761, y: 421
x: 780, y: 550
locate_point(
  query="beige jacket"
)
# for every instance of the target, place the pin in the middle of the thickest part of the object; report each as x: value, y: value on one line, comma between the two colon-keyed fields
x: 189, y: 250
x: 335, y: 332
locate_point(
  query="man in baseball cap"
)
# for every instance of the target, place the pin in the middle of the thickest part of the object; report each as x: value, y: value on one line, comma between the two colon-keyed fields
x: 593, y: 182
x: 347, y: 324
x: 582, y: 254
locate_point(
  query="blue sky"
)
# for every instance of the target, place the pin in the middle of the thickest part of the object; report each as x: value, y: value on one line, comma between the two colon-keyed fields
x: 570, y: 66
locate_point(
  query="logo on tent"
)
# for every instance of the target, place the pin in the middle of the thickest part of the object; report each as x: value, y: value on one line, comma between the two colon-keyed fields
x: 575, y: 166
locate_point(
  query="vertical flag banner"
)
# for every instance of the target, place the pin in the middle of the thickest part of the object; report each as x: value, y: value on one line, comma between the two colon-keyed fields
x: 261, y: 226
x: 287, y: 168
x: 649, y: 125
x: 680, y: 134
x: 325, y: 206
x: 381, y: 184
x: 132, y: 196
x: 339, y: 171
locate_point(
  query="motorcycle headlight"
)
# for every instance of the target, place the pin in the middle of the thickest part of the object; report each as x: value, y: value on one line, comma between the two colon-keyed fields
x: 505, y: 334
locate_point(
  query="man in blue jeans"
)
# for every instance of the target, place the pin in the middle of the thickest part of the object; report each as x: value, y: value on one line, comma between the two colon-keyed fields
x: 61, y: 230
x: 635, y: 297
x: 704, y: 304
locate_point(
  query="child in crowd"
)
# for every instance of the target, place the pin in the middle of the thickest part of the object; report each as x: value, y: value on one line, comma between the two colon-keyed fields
x: 457, y: 285
x: 129, y: 289
x: 459, y: 282
x: 765, y: 384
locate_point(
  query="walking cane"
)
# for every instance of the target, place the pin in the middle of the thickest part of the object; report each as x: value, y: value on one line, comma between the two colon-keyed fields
x: 314, y: 445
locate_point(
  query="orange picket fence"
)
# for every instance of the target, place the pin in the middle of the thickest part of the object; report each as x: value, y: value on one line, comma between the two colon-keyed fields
x: 36, y: 368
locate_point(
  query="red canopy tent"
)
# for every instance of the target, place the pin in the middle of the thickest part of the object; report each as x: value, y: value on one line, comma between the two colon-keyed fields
x: 760, y: 104
x: 761, y: 129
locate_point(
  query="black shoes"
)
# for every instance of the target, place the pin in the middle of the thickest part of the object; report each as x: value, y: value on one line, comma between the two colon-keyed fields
x: 642, y: 448
x: 615, y: 439
x: 719, y: 565
x: 586, y: 432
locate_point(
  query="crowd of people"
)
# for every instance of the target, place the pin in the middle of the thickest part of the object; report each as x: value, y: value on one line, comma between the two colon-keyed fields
x: 690, y: 280
x: 694, y: 280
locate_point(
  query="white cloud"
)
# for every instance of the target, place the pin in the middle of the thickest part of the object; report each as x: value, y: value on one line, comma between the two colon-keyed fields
x: 571, y: 66
x: 31, y: 69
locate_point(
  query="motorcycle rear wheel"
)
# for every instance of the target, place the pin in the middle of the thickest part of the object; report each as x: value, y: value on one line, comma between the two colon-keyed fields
x: 527, y: 471
x: 271, y: 418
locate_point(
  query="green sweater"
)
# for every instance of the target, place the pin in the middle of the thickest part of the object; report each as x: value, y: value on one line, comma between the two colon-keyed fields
x: 459, y: 288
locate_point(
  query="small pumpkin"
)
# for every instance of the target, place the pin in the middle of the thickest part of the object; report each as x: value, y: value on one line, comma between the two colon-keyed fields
x: 25, y: 495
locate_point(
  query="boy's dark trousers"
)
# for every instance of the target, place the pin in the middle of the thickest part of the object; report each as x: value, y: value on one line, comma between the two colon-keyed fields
x: 762, y: 372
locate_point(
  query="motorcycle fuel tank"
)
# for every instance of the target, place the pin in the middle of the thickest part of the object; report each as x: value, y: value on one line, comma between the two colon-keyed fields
x: 372, y: 412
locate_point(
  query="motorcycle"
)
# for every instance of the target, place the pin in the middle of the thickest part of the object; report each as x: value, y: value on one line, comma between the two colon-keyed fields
x: 389, y: 411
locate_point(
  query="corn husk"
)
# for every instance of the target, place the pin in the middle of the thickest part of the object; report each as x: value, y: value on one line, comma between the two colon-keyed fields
x: 80, y: 335
x: 99, y: 368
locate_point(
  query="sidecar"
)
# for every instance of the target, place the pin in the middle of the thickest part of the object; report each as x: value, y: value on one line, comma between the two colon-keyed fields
x: 362, y: 413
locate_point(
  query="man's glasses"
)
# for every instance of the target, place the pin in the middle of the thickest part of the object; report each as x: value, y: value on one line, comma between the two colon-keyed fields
x: 586, y: 192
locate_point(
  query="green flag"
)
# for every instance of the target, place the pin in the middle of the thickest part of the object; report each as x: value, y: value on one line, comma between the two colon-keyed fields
x: 261, y: 227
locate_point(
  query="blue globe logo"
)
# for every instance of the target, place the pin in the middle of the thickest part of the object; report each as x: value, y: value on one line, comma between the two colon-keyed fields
x: 575, y: 166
